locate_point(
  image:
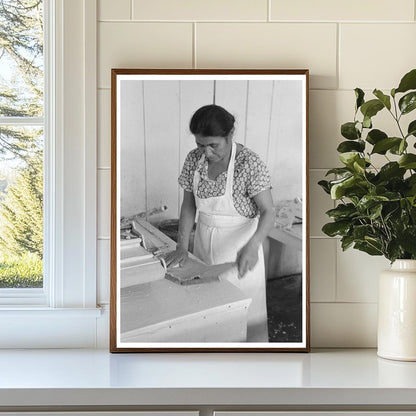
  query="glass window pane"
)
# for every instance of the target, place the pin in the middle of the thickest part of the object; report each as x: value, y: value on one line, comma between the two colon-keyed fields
x: 21, y: 207
x: 21, y: 58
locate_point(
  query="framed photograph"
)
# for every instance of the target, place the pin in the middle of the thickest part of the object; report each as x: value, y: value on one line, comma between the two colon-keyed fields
x: 209, y: 210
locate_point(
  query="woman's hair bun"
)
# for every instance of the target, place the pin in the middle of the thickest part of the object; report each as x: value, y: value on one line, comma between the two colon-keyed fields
x: 212, y: 120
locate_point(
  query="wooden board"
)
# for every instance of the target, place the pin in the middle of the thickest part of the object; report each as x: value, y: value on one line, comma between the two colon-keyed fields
x: 196, y: 272
x: 141, y: 272
x: 149, y: 309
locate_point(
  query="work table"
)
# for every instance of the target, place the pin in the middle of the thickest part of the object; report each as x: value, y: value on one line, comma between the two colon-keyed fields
x: 205, y: 382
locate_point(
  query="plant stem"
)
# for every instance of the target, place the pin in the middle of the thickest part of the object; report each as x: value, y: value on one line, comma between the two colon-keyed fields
x: 397, y: 118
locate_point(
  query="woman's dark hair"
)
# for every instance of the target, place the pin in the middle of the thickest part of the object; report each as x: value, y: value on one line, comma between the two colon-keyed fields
x: 212, y: 120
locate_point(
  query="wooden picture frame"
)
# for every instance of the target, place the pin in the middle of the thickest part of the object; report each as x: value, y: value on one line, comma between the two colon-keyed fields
x: 152, y: 310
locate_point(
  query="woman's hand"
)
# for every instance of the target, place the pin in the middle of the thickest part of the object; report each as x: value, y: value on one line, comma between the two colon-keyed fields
x: 247, y: 258
x: 179, y: 256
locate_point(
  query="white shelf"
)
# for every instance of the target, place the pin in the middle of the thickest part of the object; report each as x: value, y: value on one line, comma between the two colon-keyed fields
x: 56, y: 378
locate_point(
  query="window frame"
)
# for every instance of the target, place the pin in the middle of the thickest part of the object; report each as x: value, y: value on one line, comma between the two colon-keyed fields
x: 70, y: 207
x: 38, y: 296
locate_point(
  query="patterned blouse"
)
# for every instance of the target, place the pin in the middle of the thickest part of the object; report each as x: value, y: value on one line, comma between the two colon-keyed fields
x: 250, y: 178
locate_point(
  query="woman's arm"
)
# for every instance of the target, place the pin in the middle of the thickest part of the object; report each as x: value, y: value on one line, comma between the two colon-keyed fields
x: 186, y: 223
x: 248, y: 256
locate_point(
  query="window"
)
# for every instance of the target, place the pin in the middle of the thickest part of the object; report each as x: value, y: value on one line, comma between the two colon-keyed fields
x: 22, y: 128
x: 63, y: 313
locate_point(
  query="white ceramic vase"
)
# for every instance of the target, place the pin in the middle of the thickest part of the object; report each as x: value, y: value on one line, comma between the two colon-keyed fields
x: 397, y: 312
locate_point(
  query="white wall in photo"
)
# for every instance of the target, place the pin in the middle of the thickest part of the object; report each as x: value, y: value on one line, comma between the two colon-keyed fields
x: 155, y: 136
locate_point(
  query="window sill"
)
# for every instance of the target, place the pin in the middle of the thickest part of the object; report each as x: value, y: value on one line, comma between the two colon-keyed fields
x: 40, y: 327
x: 35, y: 312
x: 88, y: 379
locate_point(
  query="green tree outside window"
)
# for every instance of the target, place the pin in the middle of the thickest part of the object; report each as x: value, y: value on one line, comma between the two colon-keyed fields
x: 21, y: 143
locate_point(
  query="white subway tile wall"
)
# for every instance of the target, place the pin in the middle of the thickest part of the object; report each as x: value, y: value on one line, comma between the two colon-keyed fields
x: 337, y: 325
x: 103, y: 271
x: 104, y: 128
x: 344, y: 44
x: 355, y: 10
x: 142, y: 45
x: 200, y: 10
x: 375, y: 55
x: 114, y: 10
x: 323, y: 269
x: 357, y: 275
x: 104, y: 202
x: 270, y: 45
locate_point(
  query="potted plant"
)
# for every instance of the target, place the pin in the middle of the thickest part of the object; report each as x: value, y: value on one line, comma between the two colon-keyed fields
x: 376, y: 209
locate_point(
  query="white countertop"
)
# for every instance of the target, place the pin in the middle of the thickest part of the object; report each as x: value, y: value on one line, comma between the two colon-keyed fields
x: 96, y: 377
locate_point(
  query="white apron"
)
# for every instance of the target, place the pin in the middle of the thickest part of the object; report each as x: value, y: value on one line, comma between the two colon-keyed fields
x: 220, y: 233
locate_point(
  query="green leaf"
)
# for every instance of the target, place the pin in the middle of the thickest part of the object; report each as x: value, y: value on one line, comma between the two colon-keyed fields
x: 408, y: 102
x: 393, y: 92
x: 411, y: 130
x: 393, y: 250
x: 371, y: 108
x: 349, y: 131
x: 398, y: 149
x: 375, y: 211
x: 346, y: 242
x: 367, y: 122
x: 383, y: 145
x: 407, y: 239
x: 411, y: 183
x: 359, y: 94
x: 359, y: 165
x: 368, y: 201
x: 338, y: 189
x: 385, y: 99
x: 374, y: 242
x: 338, y: 171
x: 325, y: 186
x: 368, y: 248
x: 408, y: 161
x: 342, y: 211
x: 350, y: 146
x: 348, y: 158
x: 408, y: 82
x: 375, y: 135
x: 361, y: 231
x: 390, y: 170
x: 336, y: 228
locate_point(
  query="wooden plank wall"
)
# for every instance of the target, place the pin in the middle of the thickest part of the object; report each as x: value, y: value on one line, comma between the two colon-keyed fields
x: 155, y: 137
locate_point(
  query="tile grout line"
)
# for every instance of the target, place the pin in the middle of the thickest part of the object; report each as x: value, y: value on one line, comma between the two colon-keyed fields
x: 338, y: 63
x: 344, y: 303
x: 269, y: 10
x: 194, y: 63
x: 308, y: 22
x: 335, y: 90
x: 336, y: 272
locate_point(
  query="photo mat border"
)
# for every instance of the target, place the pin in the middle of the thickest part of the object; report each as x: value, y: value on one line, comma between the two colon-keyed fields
x: 147, y: 74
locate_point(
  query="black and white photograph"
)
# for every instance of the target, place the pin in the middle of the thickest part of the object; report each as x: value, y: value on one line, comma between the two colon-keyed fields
x: 209, y: 223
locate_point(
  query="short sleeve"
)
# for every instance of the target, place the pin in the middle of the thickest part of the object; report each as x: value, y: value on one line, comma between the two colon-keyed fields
x: 259, y: 177
x: 186, y: 177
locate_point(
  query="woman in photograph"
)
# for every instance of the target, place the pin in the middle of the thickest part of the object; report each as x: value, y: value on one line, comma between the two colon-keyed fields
x: 229, y: 186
